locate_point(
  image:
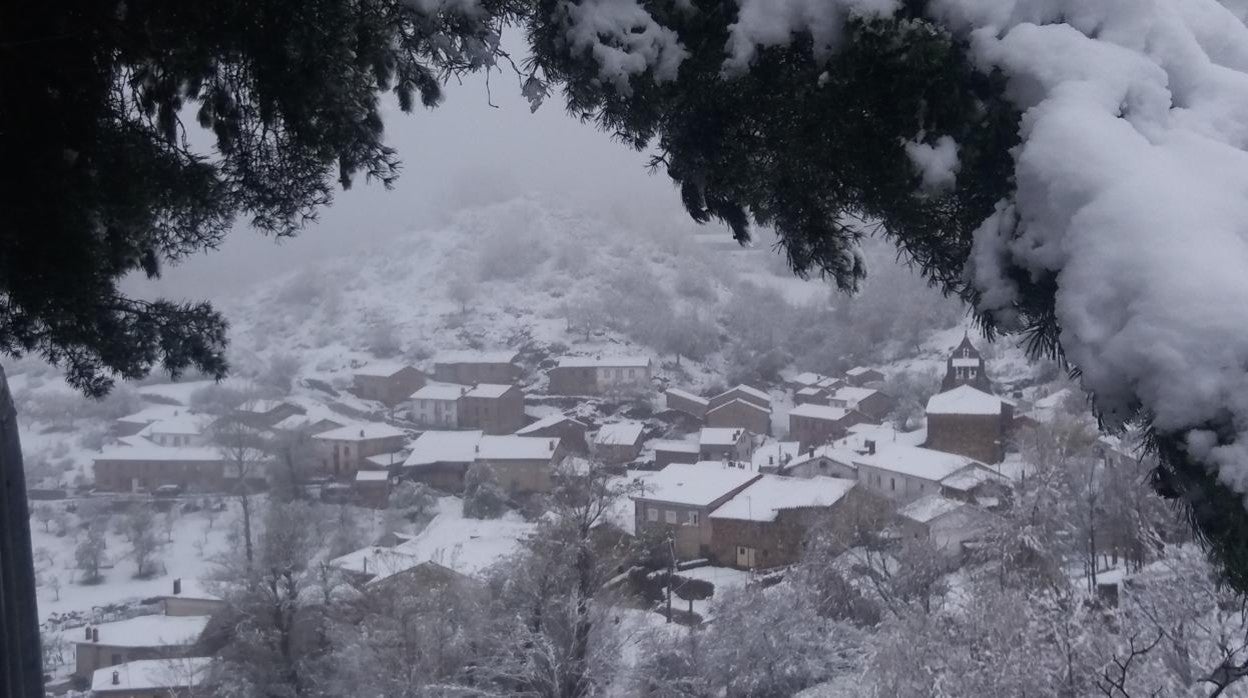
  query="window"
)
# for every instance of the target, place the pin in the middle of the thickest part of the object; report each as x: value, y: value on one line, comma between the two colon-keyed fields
x: 920, y: 487
x: 652, y: 514
x: 693, y: 518
x: 116, y: 659
x: 892, y: 484
x: 669, y: 516
x: 970, y: 372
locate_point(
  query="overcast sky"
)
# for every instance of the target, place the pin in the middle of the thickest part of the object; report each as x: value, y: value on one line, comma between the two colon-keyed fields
x: 462, y: 153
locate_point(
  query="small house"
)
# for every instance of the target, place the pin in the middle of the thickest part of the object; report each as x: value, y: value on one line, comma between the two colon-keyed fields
x: 588, y: 375
x: 132, y: 424
x: 345, y: 450
x: 441, y: 458
x: 619, y: 442
x: 137, y: 464
x: 153, y: 678
x: 472, y: 367
x: 494, y: 408
x: 388, y: 383
x: 740, y: 413
x: 183, y: 429
x: 725, y: 444
x: 188, y: 597
x: 859, y: 376
x: 142, y: 637
x: 773, y: 456
x: 569, y: 431
x: 264, y: 414
x: 813, y: 395
x: 765, y: 524
x: 969, y: 422
x: 871, y: 403
x: 806, y: 379
x: 946, y: 523
x: 668, y: 452
x: 521, y: 464
x: 824, y: 461
x: 905, y: 473
x: 684, y: 401
x: 814, y: 425
x: 744, y: 392
x: 437, y: 405
x: 372, y: 488
x: 677, y: 501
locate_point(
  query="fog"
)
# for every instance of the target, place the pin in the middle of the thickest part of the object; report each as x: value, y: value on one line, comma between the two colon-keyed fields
x: 480, y: 145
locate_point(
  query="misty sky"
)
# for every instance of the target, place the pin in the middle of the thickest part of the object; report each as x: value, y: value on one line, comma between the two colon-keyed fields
x: 463, y: 153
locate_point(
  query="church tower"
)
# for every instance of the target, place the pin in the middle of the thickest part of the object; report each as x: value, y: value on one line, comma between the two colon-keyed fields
x: 966, y: 367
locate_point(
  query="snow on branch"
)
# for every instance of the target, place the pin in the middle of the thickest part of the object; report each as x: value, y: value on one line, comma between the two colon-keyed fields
x: 624, y: 40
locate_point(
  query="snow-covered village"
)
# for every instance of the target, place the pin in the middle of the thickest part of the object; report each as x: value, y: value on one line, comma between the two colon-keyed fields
x: 612, y: 348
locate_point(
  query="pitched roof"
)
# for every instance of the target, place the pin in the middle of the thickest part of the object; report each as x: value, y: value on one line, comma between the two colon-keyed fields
x: 360, y: 432
x: 720, y: 436
x: 184, y: 423
x: 853, y: 394
x: 467, y: 546
x: 371, y: 476
x: 748, y: 390
x: 192, y: 588
x: 152, y: 675
x: 547, y: 421
x: 859, y: 370
x: 686, y: 395
x: 603, y: 361
x: 676, y: 446
x: 489, y: 390
x: 512, y: 447
x: 967, y: 478
x: 619, y: 434
x: 439, y: 391
x: 808, y: 378
x: 812, y: 390
x: 929, y: 507
x: 740, y: 401
x: 694, y: 484
x: 147, y: 415
x: 964, y: 399
x: 815, y: 411
x: 381, y: 369
x: 137, y: 448
x: 915, y: 461
x: 775, y: 453
x: 766, y: 497
x: 444, y: 447
x: 151, y: 631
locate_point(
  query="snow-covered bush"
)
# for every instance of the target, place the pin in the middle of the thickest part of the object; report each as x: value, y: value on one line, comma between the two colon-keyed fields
x: 483, y: 498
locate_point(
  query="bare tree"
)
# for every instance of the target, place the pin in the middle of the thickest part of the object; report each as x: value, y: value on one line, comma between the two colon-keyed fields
x: 54, y: 583
x: 89, y: 555
x: 462, y: 290
x: 244, y: 450
x: 138, y: 528
x: 45, y: 515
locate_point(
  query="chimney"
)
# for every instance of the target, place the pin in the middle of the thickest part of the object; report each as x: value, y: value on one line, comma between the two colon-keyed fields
x: 361, y: 433
x: 365, y: 564
x: 552, y: 445
x: 870, y: 444
x: 116, y: 679
x: 177, y: 586
x: 88, y: 629
x: 95, y: 634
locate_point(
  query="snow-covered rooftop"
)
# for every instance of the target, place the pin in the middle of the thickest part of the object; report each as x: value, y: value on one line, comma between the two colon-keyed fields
x: 748, y: 390
x: 815, y: 411
x: 472, y: 356
x: 686, y: 395
x: 719, y: 436
x: 765, y: 498
x: 853, y: 394
x: 808, y: 378
x: 741, y: 401
x: 308, y: 421
x: 604, y: 361
x: 385, y: 460
x: 915, y: 461
x: 444, y: 447
x: 137, y: 448
x: 811, y: 391
x: 381, y: 369
x: 694, y: 484
x: 489, y: 391
x: 371, y: 476
x: 929, y: 507
x: 468, y: 546
x: 193, y: 588
x: 969, y: 477
x: 964, y: 399
x: 375, y: 560
x: 260, y: 406
x: 183, y: 424
x: 860, y: 434
x: 774, y: 453
x: 155, y: 675
x: 619, y: 434
x: 513, y: 447
x: 858, y: 371
x: 440, y: 391
x: 547, y: 421
x: 676, y: 446
x: 147, y: 415
x: 151, y: 631
x: 361, y: 432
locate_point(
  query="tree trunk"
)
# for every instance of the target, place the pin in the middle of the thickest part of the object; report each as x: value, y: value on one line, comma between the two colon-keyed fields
x: 246, y: 502
x: 21, y: 654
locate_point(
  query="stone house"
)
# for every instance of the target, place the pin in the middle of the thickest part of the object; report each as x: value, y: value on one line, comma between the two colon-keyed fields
x: 824, y: 461
x: 520, y: 464
x: 678, y: 500
x: 741, y: 414
x: 569, y: 431
x: 978, y: 486
x: 188, y: 597
x: 725, y: 444
x: 744, y: 392
x: 437, y: 405
x: 806, y: 379
x: 772, y: 456
x: 345, y: 450
x: 969, y: 422
x: 142, y: 637
x: 494, y: 408
x: 871, y: 403
x: 371, y: 488
x: 765, y: 524
x: 668, y: 452
x: 587, y: 375
x: 965, y: 366
x: 132, y: 424
x: 180, y: 677
x: 683, y: 401
x: 815, y: 425
x: 387, y: 383
x: 137, y: 464
x: 264, y: 414
x: 441, y: 458
x: 183, y: 429
x: 813, y: 395
x: 859, y: 376
x: 905, y: 473
x: 946, y: 523
x: 471, y: 367
x: 619, y: 442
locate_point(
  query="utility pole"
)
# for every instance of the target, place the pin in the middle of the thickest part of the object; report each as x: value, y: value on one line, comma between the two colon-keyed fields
x: 671, y: 574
